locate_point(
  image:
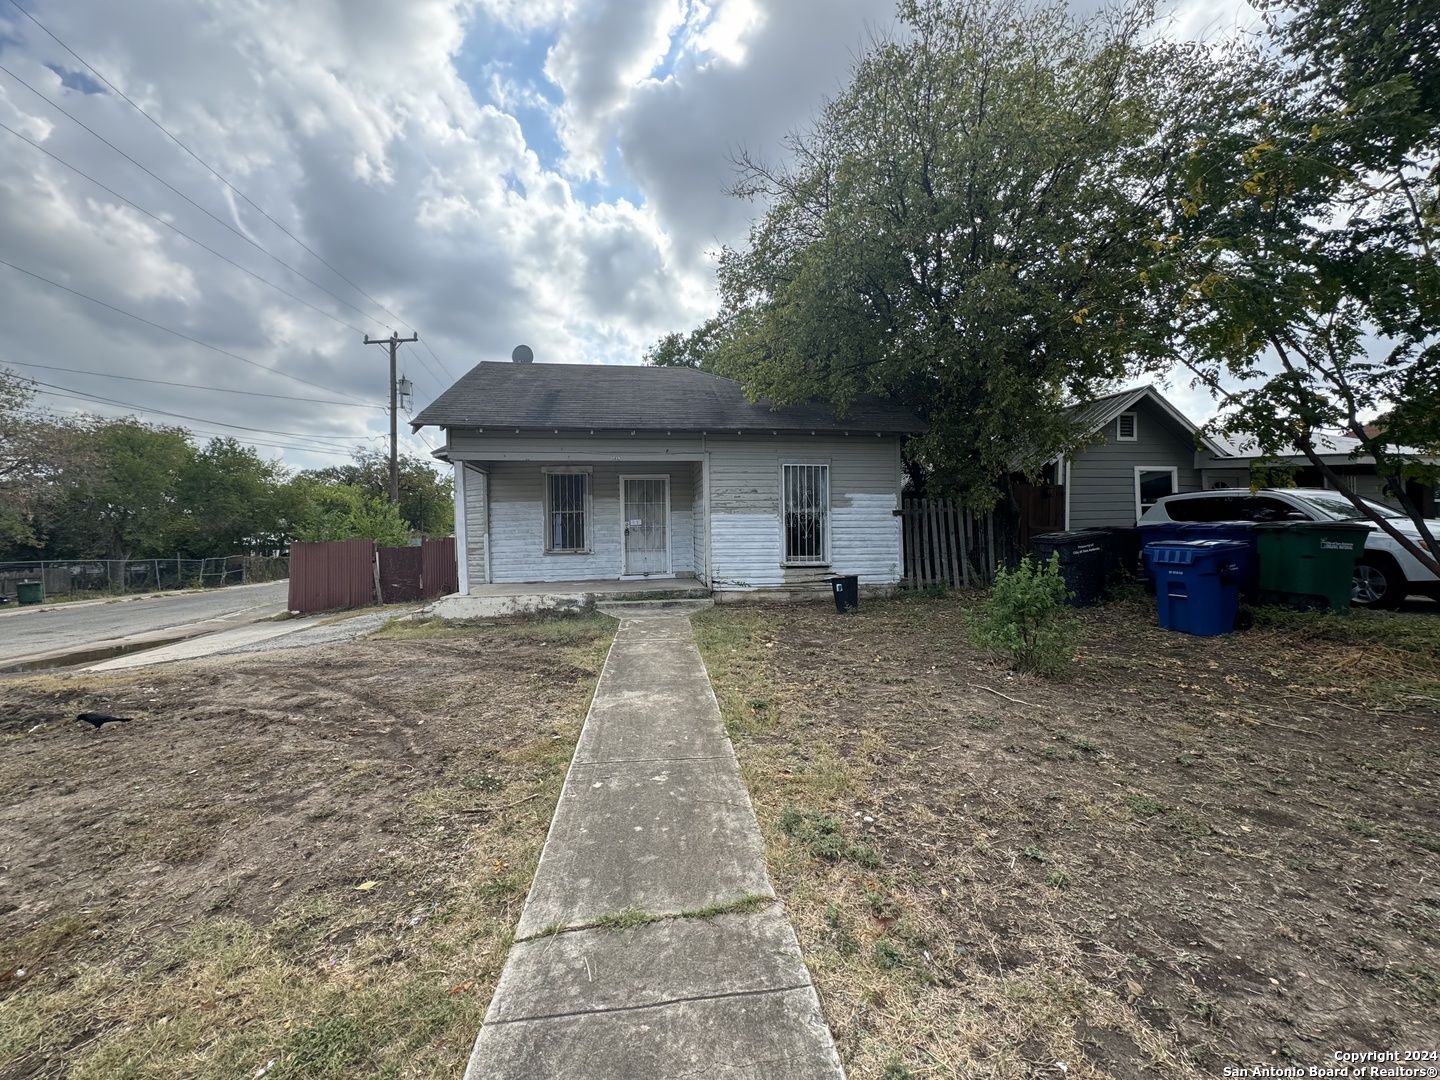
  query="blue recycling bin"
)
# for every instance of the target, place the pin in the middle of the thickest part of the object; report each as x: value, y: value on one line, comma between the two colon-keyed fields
x: 1247, y: 562
x: 1197, y: 584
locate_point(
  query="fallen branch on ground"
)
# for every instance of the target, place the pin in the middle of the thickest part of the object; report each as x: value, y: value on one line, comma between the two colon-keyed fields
x: 492, y: 809
x: 1007, y: 697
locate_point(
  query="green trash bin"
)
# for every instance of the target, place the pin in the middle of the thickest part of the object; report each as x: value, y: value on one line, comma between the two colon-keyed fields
x: 1309, y: 563
x: 30, y: 592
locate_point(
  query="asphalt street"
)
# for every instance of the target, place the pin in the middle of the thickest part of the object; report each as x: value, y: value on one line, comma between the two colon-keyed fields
x: 54, y: 628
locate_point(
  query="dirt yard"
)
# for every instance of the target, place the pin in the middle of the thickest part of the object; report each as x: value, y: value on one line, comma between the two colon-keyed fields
x: 1187, y: 854
x: 300, y: 864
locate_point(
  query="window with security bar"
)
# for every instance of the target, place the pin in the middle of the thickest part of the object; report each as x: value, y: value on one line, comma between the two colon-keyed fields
x: 807, y: 514
x: 565, y: 499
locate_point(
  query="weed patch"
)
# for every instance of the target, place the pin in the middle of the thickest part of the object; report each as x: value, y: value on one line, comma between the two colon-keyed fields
x: 822, y: 834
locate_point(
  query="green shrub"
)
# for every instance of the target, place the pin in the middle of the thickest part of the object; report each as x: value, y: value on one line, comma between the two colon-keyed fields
x: 1026, y: 618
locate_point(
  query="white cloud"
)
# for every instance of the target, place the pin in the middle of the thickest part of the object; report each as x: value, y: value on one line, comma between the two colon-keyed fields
x: 354, y: 125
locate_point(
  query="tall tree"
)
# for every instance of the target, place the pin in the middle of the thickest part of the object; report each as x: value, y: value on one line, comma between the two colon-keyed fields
x: 1308, y: 238
x: 230, y: 501
x: 128, y: 504
x: 965, y: 230
x: 426, y: 500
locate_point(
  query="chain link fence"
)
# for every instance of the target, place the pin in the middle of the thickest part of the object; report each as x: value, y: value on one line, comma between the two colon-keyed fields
x: 71, y: 578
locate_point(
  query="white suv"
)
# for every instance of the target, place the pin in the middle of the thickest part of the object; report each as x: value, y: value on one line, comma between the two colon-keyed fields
x: 1385, y: 574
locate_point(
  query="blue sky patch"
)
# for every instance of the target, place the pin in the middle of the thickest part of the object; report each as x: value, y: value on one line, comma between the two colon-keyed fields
x: 76, y: 80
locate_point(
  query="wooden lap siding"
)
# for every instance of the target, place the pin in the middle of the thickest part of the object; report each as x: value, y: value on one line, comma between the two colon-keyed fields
x: 747, y: 547
x: 517, y: 521
x: 1102, y: 476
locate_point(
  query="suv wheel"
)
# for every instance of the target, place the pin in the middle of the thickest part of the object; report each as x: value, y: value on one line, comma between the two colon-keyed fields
x: 1376, y: 583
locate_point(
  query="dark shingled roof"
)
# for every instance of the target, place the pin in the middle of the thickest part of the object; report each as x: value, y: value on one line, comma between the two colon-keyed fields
x: 625, y: 397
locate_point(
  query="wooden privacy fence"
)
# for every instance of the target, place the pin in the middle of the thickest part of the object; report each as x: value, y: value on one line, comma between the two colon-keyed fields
x: 947, y: 545
x: 334, y: 574
x: 353, y: 573
x: 439, y: 571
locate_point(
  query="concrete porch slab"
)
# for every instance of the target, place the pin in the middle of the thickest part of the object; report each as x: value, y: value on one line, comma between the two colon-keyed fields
x: 516, y: 598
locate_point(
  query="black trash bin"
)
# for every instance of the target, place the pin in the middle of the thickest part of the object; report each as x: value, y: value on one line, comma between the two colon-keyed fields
x: 1084, y: 561
x: 847, y: 592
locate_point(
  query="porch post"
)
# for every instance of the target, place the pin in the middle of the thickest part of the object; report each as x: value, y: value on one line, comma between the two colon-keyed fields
x: 462, y: 549
x: 705, y: 483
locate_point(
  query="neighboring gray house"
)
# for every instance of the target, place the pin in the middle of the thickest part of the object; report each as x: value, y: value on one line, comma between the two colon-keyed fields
x: 570, y: 473
x: 1142, y: 449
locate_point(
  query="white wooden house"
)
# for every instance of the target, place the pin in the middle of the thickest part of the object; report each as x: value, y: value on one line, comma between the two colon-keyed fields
x: 572, y: 477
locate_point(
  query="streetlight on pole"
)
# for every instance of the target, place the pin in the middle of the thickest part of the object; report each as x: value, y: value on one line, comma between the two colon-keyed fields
x: 394, y: 341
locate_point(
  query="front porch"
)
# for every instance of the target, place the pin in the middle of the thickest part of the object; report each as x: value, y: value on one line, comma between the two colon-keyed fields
x: 567, y: 524
x: 514, y: 598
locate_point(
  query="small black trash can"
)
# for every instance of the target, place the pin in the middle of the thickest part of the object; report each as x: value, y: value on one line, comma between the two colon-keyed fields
x: 847, y: 592
x: 1084, y: 557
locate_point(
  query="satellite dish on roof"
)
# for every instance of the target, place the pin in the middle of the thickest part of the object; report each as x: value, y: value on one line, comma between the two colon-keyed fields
x: 523, y: 354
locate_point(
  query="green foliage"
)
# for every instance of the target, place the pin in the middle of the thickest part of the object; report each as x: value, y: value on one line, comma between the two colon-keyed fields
x: 345, y: 512
x: 964, y: 230
x: 1311, y: 218
x: 1026, y: 618
x: 821, y: 833
x: 1144, y: 806
x: 426, y: 499
x: 90, y: 487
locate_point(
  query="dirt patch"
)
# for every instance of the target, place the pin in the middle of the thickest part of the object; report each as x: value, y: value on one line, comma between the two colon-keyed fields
x: 1189, y: 854
x: 313, y: 858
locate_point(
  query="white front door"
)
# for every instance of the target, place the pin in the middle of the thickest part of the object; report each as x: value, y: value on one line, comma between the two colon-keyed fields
x: 646, y: 506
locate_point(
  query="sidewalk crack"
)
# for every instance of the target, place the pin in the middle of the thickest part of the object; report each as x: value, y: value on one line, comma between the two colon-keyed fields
x: 650, y: 1005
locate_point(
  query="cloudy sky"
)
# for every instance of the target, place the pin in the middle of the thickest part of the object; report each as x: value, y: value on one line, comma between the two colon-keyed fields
x: 486, y: 172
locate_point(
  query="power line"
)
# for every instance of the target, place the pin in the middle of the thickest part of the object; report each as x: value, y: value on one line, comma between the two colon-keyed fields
x: 421, y: 361
x: 190, y: 386
x: 208, y: 213
x: 176, y: 229
x: 213, y: 172
x: 183, y: 416
x: 429, y: 350
x: 177, y: 333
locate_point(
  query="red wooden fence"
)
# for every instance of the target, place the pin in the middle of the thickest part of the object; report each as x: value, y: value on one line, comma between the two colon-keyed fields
x: 334, y: 574
x: 346, y: 573
x: 399, y: 574
x: 439, y: 571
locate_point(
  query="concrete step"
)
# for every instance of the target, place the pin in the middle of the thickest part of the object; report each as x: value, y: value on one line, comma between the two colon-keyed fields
x: 677, y: 606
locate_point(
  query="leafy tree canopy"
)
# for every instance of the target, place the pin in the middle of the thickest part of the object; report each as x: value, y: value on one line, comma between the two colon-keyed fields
x: 1307, y: 240
x: 965, y: 230
x: 330, y: 511
x: 90, y: 487
x: 426, y: 495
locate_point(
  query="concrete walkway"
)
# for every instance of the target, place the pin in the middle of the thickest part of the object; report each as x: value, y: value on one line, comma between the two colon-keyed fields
x: 654, y: 821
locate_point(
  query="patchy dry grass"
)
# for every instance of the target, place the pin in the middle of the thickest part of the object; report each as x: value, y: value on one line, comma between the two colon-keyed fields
x: 312, y: 858
x: 1186, y: 854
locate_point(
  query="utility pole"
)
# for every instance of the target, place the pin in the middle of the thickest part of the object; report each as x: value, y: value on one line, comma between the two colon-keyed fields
x: 394, y: 341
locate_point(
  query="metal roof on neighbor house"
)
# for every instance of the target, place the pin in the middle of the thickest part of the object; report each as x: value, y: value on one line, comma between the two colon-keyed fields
x: 571, y: 397
x: 1093, y: 415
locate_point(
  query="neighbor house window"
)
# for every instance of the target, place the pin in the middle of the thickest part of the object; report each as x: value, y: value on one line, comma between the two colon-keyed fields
x: 806, y: 514
x: 1125, y: 427
x: 567, y: 511
x: 1152, y: 485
